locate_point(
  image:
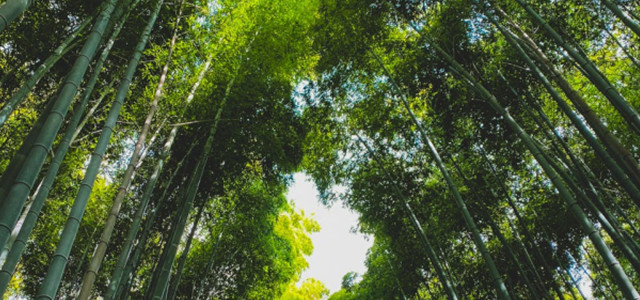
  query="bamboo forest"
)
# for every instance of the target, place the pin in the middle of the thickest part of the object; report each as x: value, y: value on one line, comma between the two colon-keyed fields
x: 489, y: 148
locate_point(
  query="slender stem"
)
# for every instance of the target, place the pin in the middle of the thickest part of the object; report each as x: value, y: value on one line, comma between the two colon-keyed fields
x: 11, y: 9
x: 435, y: 261
x: 501, y: 289
x: 51, y: 282
x: 12, y: 204
x: 42, y: 70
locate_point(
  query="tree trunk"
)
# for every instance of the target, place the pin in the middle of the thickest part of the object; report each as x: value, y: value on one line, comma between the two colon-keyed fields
x: 159, y: 288
x: 586, y: 225
x: 445, y: 281
x: 26, y: 87
x: 619, y: 156
x: 622, y: 47
x: 200, y: 286
x: 101, y: 249
x: 49, y: 286
x: 496, y: 231
x: 12, y: 204
x: 133, y: 231
x: 10, y: 10
x: 501, y: 289
x: 622, y: 16
x: 591, y: 71
x: 36, y: 205
x: 175, y: 282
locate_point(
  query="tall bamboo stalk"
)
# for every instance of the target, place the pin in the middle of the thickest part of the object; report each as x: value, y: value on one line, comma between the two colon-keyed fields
x: 49, y: 62
x: 501, y: 289
x: 617, y: 157
x: 160, y: 286
x: 41, y: 195
x: 587, y: 226
x: 529, y: 237
x: 503, y: 240
x: 12, y: 204
x: 11, y: 9
x: 604, y: 218
x: 613, y: 7
x: 18, y: 159
x: 49, y: 286
x: 522, y: 222
x: 590, y: 70
x: 622, y: 47
x: 125, y: 266
x: 175, y: 281
x: 101, y: 249
x: 131, y: 264
x: 583, y: 187
x: 435, y: 261
x: 200, y: 285
x: 133, y: 231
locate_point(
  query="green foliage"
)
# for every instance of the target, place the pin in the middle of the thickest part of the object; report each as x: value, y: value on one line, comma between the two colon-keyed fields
x: 310, y: 289
x: 300, y: 79
x: 256, y: 249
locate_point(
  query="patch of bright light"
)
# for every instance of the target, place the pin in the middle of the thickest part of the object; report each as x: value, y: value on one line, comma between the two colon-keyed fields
x: 337, y: 250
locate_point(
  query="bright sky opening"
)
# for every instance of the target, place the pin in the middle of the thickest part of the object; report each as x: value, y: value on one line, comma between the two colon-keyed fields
x: 337, y: 250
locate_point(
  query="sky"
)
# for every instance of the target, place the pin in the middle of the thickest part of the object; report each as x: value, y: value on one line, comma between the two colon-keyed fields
x: 337, y: 250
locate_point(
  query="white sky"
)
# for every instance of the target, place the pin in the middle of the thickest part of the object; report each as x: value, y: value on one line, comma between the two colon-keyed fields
x: 336, y: 249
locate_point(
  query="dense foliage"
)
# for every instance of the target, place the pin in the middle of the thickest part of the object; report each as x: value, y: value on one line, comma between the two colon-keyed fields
x: 489, y: 147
